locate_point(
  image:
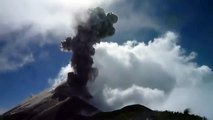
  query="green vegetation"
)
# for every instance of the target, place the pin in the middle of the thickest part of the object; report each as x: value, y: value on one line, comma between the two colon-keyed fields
x: 138, y: 112
x: 167, y: 115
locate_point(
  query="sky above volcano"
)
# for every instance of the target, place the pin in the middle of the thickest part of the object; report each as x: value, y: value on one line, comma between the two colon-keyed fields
x: 160, y: 55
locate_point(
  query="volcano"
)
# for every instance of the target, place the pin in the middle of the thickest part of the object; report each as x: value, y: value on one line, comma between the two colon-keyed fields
x: 71, y: 100
x: 57, y: 104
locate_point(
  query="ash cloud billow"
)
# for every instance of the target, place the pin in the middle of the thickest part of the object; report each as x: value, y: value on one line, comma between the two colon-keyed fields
x: 98, y: 26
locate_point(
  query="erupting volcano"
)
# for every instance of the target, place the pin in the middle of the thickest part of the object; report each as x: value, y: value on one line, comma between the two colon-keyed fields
x: 99, y: 25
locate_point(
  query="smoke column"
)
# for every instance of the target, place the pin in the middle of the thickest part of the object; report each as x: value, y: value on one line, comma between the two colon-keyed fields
x: 99, y: 25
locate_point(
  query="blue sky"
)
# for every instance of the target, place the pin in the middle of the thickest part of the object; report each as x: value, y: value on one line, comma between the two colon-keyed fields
x: 29, y: 42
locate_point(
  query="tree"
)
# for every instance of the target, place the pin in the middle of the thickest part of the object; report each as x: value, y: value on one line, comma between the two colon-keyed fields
x: 187, y: 111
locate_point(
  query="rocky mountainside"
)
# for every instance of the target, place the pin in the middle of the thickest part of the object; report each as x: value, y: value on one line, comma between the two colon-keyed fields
x: 61, y: 104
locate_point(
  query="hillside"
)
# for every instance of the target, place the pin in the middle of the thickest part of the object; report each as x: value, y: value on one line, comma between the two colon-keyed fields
x: 133, y: 112
x: 139, y: 112
x: 61, y: 104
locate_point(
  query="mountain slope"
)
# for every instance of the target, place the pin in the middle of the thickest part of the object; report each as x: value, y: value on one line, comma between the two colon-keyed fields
x: 68, y: 103
x: 58, y: 104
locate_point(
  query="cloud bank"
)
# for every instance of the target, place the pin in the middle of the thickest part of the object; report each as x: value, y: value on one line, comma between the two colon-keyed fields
x: 159, y: 75
x: 44, y: 15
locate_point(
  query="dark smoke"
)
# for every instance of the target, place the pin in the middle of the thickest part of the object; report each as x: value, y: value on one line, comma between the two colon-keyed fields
x: 99, y: 25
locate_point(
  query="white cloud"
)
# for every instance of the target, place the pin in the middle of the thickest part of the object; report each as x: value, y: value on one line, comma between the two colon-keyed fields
x: 45, y: 15
x: 134, y: 94
x: 21, y: 60
x: 61, y: 77
x: 159, y: 75
x: 15, y: 52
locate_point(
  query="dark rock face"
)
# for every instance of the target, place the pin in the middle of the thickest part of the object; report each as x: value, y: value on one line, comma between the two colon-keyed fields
x: 68, y: 109
x: 59, y: 104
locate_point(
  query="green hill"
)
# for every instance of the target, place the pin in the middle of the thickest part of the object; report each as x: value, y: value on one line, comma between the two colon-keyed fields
x: 139, y: 112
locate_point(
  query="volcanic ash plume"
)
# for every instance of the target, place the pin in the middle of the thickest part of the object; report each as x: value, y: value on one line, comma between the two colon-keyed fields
x: 99, y: 25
